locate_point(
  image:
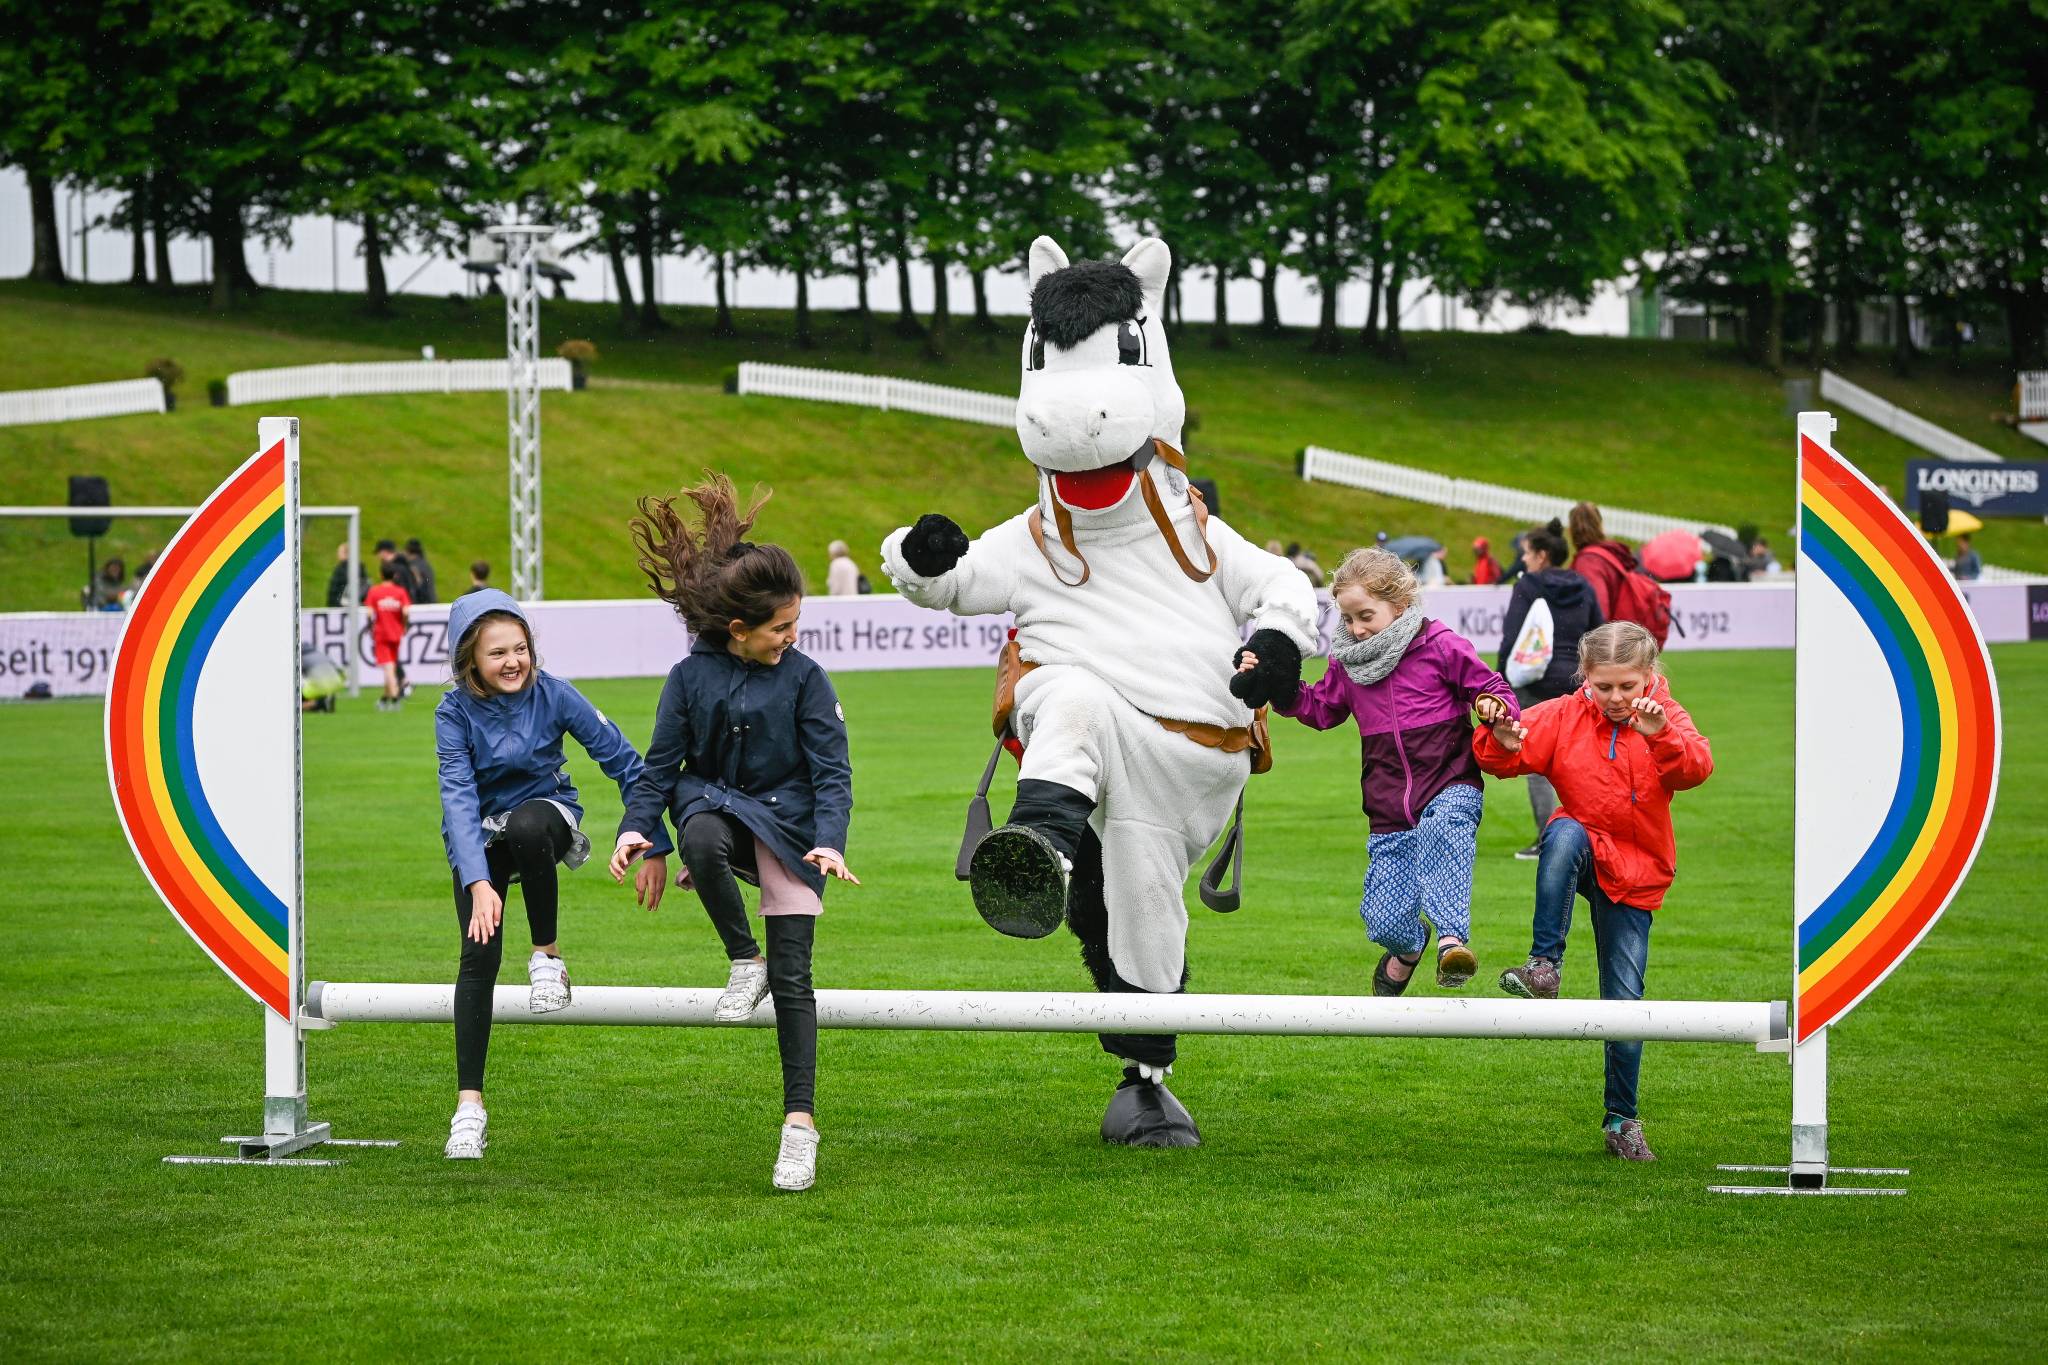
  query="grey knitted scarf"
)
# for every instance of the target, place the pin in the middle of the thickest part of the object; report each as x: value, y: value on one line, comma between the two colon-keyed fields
x: 1374, y: 657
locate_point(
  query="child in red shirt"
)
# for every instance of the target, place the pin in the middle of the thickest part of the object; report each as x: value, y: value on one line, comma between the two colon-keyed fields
x: 390, y: 608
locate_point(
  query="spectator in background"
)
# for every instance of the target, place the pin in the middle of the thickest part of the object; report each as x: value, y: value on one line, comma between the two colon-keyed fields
x: 842, y: 575
x: 479, y: 577
x: 1432, y: 571
x: 1573, y: 612
x: 1968, y: 564
x: 1485, y: 568
x: 387, y: 554
x: 1306, y: 562
x: 109, y: 590
x: 1600, y: 561
x: 422, y: 572
x: 390, y: 613
x: 337, y: 582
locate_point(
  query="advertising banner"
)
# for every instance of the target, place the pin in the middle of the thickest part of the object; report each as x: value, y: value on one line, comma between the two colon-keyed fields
x: 71, y: 652
x: 2013, y: 488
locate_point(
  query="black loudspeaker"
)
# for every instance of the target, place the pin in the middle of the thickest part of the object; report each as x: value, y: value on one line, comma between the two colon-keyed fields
x: 1933, y: 511
x: 89, y: 490
x: 1210, y: 496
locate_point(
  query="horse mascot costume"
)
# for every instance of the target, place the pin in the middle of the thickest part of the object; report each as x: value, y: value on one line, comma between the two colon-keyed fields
x: 1130, y: 602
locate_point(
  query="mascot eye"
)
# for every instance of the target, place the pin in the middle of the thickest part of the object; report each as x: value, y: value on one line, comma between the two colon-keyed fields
x: 1037, y: 361
x: 1130, y: 343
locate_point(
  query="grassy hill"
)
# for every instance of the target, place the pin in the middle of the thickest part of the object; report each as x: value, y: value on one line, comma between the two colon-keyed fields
x: 1678, y: 428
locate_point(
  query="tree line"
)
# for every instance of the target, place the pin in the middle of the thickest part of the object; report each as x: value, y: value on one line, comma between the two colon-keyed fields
x: 1772, y: 158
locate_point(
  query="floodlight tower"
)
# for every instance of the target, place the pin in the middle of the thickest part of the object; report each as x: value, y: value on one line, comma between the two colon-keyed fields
x: 521, y: 245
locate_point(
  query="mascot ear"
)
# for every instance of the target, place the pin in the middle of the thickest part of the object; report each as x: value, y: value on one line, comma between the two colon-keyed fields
x: 1046, y: 257
x: 1151, y: 262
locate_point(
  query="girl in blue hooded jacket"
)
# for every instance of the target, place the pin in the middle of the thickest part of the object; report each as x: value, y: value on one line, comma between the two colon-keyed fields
x: 508, y: 813
x: 748, y: 760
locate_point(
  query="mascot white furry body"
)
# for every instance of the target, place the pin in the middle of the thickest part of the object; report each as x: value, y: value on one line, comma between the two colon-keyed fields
x: 1124, y: 629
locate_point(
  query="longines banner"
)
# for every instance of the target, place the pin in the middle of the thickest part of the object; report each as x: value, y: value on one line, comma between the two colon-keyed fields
x: 71, y: 651
x: 2016, y: 488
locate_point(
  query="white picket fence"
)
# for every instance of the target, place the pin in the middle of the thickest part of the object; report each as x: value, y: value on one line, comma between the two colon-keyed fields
x: 344, y: 380
x: 878, y: 391
x: 1319, y: 464
x: 117, y: 399
x: 1902, y: 424
x: 2034, y: 395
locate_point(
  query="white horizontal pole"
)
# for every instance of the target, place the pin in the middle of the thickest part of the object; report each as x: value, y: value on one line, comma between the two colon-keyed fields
x: 147, y: 511
x: 1663, y: 1021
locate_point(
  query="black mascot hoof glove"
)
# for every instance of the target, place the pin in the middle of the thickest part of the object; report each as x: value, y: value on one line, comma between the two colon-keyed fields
x: 1276, y: 678
x: 1145, y: 1114
x: 934, y: 545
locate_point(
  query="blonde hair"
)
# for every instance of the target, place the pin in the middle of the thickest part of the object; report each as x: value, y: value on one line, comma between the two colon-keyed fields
x: 1621, y: 643
x: 1382, y: 574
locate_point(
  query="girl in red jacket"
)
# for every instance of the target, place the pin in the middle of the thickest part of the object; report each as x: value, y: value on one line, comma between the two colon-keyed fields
x: 1616, y: 749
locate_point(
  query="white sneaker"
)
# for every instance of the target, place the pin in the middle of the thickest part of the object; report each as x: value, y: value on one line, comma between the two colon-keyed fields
x: 796, y: 1165
x: 549, y: 977
x: 467, y: 1133
x: 744, y: 989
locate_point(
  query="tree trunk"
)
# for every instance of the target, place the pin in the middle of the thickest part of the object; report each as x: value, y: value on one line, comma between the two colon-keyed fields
x: 1219, y: 331
x: 48, y: 263
x: 865, y: 312
x: 1375, y: 275
x: 935, y: 338
x: 1327, y: 340
x: 2026, y: 322
x: 376, y: 294
x: 906, y: 324
x: 1816, y: 336
x: 1902, y: 335
x: 138, y: 231
x: 982, y: 321
x: 804, y: 339
x: 1397, y: 280
x: 1269, y: 296
x: 224, y: 228
x: 643, y: 241
x: 723, y: 325
x: 621, y: 280
x: 1848, y: 326
x: 160, y: 233
x: 1169, y: 302
x: 1764, y: 327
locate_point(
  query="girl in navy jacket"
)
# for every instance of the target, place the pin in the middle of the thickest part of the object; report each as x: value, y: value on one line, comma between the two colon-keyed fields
x: 508, y: 813
x: 748, y: 761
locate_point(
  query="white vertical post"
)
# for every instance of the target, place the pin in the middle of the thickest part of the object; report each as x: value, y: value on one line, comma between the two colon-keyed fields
x: 1810, y: 1112
x: 522, y: 242
x: 353, y: 601
x: 284, y: 1046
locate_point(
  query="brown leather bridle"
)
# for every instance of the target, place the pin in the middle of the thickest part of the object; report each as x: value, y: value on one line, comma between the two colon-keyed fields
x: 1063, y: 520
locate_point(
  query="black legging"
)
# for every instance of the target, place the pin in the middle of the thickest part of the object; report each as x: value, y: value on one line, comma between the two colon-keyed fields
x: 534, y: 840
x: 715, y: 847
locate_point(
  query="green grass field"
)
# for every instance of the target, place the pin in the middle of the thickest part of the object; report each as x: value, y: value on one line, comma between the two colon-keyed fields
x: 1664, y: 427
x: 1356, y: 1198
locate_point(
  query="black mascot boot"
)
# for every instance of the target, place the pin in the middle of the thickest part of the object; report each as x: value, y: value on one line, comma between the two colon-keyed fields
x: 1019, y: 873
x: 1142, y: 1113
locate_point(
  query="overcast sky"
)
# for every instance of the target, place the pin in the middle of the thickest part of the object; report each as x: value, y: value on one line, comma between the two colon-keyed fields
x: 323, y: 255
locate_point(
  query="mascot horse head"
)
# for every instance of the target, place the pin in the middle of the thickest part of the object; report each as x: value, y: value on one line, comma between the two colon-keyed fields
x: 1099, y: 412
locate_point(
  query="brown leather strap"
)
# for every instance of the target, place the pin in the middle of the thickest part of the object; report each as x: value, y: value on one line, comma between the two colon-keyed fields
x: 1165, y: 523
x: 1234, y: 740
x: 1064, y: 522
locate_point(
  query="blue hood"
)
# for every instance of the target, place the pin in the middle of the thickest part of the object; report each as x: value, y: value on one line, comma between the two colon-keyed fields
x: 462, y: 615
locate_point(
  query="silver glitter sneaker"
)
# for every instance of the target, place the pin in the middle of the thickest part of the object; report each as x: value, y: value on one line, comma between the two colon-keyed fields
x: 468, y: 1134
x: 744, y: 989
x: 796, y: 1165
x: 549, y: 979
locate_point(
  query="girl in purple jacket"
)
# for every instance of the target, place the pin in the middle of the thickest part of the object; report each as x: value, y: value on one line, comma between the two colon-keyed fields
x: 1411, y: 684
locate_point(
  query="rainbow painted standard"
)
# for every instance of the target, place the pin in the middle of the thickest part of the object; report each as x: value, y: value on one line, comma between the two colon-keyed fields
x: 201, y: 728
x: 1898, y: 738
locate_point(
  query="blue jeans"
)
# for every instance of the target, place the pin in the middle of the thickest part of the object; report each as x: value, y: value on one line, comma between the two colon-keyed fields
x: 1621, y: 937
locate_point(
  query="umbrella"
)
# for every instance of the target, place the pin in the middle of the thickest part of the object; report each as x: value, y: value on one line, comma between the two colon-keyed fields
x: 1671, y: 556
x: 1414, y: 549
x: 1725, y: 546
x: 1959, y: 524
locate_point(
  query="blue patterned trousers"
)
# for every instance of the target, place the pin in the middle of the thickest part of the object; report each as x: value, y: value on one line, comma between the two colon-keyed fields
x: 1424, y: 873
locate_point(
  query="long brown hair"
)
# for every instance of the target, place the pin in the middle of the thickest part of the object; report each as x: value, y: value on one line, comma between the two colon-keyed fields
x: 704, y: 566
x: 1586, y: 526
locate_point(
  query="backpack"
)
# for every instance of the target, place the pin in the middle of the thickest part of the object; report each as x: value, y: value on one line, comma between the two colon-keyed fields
x: 1639, y: 598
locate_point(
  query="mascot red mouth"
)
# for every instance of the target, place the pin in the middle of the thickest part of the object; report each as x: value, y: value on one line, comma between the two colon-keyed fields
x: 1091, y: 490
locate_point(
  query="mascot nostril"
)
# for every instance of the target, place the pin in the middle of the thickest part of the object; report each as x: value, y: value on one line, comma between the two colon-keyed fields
x: 1115, y: 689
